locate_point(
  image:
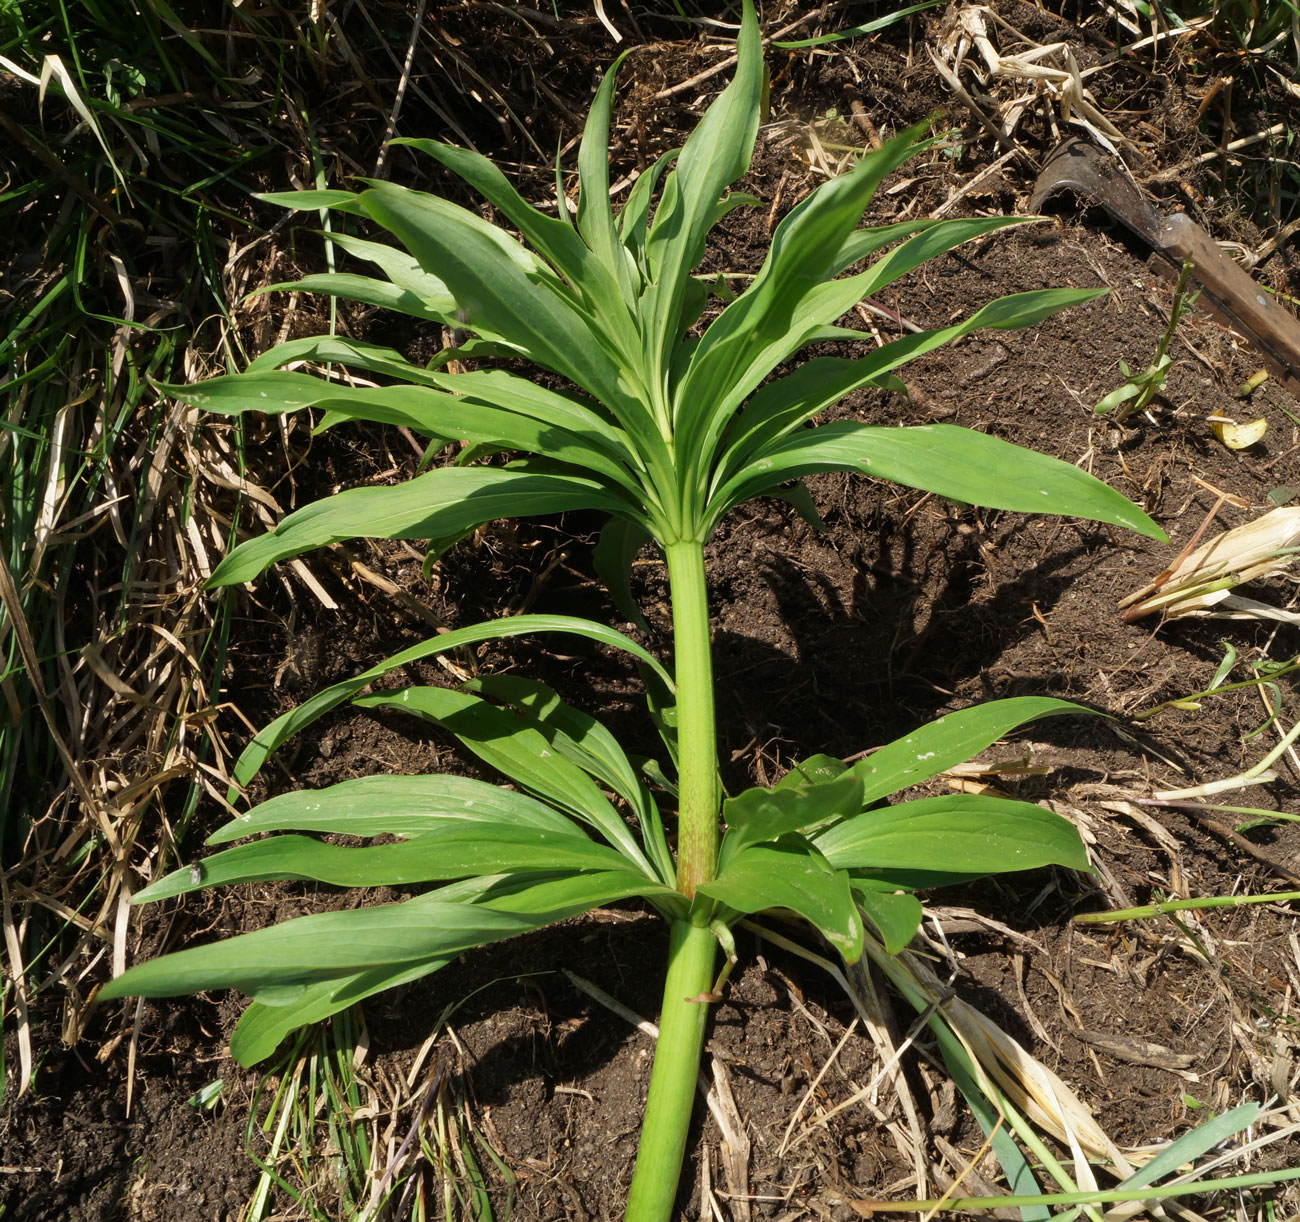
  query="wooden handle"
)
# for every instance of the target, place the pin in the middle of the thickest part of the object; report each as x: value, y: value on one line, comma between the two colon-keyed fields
x: 1271, y: 329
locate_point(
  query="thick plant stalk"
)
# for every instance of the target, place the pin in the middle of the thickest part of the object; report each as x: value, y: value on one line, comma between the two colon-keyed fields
x: 692, y: 950
x: 697, y: 743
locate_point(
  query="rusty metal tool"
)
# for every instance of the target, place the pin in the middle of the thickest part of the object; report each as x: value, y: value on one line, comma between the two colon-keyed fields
x: 1089, y: 172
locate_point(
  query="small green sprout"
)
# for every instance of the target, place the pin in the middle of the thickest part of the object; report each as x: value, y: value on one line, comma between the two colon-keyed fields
x: 1138, y: 389
x: 208, y: 1097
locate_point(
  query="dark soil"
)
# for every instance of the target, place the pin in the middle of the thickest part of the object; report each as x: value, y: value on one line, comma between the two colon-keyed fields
x: 838, y: 640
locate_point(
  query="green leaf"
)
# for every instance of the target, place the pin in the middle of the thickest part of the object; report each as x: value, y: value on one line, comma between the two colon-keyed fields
x: 438, y: 504
x: 595, y: 217
x: 419, y: 408
x: 262, y: 1027
x: 814, y: 769
x: 576, y: 735
x: 953, y: 462
x: 365, y: 289
x: 377, y: 358
x: 549, y: 235
x: 913, y: 880
x: 777, y: 408
x: 715, y: 155
x: 798, y: 496
x: 967, y: 833
x: 543, y: 898
x: 763, y: 326
x: 509, y: 744
x: 895, y: 914
x: 447, y: 851
x: 634, y: 220
x: 321, y: 946
x: 470, y: 419
x: 767, y: 814
x: 786, y: 402
x: 948, y: 740
x: 393, y: 942
x: 870, y: 27
x: 862, y: 243
x: 313, y: 201
x: 805, y: 319
x: 386, y: 805
x: 568, y: 411
x: 613, y: 556
x: 1014, y: 311
x: 1191, y: 1146
x: 792, y: 875
x: 409, y: 288
x: 584, y: 741
x: 539, y: 899
x: 290, y: 723
x: 502, y: 290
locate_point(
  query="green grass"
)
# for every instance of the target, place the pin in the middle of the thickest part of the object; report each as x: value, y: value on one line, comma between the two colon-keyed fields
x: 129, y: 178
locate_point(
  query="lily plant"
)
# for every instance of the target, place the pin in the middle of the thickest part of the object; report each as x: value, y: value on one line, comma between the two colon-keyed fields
x: 665, y: 406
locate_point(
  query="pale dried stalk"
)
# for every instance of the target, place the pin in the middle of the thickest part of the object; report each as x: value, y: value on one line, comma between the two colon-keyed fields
x: 1201, y: 582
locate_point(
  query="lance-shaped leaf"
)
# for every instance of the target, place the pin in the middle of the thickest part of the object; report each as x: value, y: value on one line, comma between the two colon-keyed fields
x: 535, y: 899
x: 290, y: 723
x: 404, y: 270
x: 595, y: 217
x: 583, y: 741
x: 949, y: 740
x: 895, y: 914
x: 277, y: 964
x: 314, y: 201
x: 613, y: 556
x: 791, y: 874
x: 554, y: 240
x: 464, y: 416
x: 804, y: 319
x: 715, y: 155
x: 499, y: 286
x: 768, y: 814
x: 862, y: 243
x: 368, y: 290
x: 262, y: 1027
x: 788, y: 401
x: 969, y: 833
x: 953, y: 462
x: 321, y: 946
x: 634, y: 219
x: 358, y: 353
x: 509, y: 744
x: 385, y: 805
x: 593, y: 273
x: 496, y: 390
x: 439, y: 504
x: 813, y: 770
x: 408, y: 288
x: 753, y: 333
x: 452, y: 850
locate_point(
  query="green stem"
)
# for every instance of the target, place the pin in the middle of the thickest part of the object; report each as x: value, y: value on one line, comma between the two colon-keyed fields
x: 697, y: 744
x: 664, y: 1128
x: 692, y: 949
